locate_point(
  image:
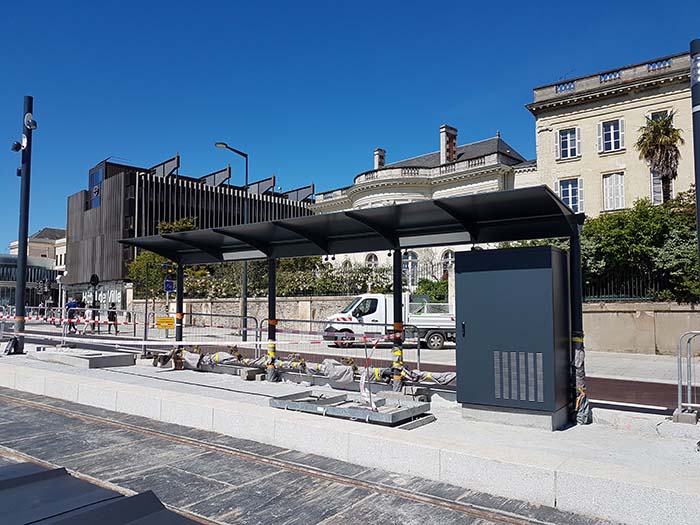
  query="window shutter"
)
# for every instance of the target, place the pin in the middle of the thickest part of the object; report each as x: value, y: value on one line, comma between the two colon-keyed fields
x: 580, y: 191
x: 600, y: 137
x: 557, y: 145
x: 620, y: 200
x: 578, y: 142
x: 607, y: 192
x: 656, y: 189
x: 556, y: 188
x: 622, y: 133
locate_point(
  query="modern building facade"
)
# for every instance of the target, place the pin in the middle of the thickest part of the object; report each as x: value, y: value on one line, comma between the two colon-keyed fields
x: 127, y: 201
x: 586, y: 129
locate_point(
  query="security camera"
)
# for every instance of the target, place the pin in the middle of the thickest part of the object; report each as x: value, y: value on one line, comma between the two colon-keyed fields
x: 16, y: 146
x: 29, y: 121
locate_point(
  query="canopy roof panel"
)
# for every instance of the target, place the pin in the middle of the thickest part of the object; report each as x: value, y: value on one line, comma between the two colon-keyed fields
x: 512, y: 215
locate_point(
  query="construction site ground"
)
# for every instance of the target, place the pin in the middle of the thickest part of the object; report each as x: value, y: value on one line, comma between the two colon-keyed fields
x: 630, y: 468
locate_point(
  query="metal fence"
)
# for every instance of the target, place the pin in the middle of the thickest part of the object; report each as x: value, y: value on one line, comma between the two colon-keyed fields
x: 624, y: 286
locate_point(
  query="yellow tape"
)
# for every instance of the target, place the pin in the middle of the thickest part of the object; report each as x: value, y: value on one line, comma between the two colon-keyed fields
x: 271, y: 354
x: 376, y: 374
x: 397, y: 352
x: 428, y: 375
x: 577, y: 339
x: 396, y: 363
x: 216, y: 357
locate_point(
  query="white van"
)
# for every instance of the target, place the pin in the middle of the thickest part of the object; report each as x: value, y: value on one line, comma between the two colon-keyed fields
x: 374, y: 314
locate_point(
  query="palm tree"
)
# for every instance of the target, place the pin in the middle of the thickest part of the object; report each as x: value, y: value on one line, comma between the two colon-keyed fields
x: 658, y: 146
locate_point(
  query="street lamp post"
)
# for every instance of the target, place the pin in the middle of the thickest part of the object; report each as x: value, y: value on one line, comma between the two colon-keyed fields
x: 695, y: 97
x: 246, y: 218
x: 28, y: 125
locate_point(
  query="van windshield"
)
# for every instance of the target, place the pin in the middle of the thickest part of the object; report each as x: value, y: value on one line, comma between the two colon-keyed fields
x: 352, y: 305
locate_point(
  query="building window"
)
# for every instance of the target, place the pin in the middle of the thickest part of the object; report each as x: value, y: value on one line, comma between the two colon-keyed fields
x: 658, y: 115
x: 611, y: 135
x: 571, y: 192
x: 614, y: 191
x: 448, y: 260
x: 371, y: 260
x: 95, y: 188
x: 409, y: 264
x: 568, y: 143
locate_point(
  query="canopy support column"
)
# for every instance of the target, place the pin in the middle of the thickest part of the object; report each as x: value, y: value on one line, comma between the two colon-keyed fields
x: 579, y: 354
x: 397, y: 369
x: 271, y: 372
x: 179, y: 297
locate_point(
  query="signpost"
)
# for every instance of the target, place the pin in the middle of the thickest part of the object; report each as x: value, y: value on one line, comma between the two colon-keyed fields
x: 165, y: 323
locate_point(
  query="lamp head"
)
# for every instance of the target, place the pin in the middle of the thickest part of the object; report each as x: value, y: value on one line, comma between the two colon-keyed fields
x: 220, y: 145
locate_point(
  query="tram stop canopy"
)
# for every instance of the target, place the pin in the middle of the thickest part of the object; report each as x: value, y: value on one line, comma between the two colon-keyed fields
x: 511, y: 215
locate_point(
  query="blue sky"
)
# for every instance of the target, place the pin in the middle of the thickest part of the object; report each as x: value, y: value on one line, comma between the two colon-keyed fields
x: 308, y: 89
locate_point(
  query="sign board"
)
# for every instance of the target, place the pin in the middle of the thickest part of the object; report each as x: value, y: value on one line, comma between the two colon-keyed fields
x: 167, y: 323
x: 168, y: 285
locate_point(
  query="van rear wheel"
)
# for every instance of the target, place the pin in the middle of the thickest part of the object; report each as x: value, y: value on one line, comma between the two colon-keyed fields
x: 435, y: 341
x: 345, y: 338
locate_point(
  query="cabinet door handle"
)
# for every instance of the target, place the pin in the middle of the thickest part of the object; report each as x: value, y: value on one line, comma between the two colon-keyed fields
x: 463, y: 329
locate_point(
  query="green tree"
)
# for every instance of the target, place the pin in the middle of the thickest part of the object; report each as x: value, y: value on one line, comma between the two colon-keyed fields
x: 147, y: 273
x: 435, y: 290
x: 658, y: 146
x: 180, y: 225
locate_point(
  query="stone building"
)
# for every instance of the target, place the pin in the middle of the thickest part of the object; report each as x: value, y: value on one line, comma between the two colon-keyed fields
x: 586, y: 129
x: 483, y: 166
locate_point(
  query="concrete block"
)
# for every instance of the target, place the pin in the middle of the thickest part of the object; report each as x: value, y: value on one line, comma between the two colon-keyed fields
x: 521, y: 418
x: 624, y: 502
x: 186, y: 414
x: 7, y: 376
x: 139, y: 403
x: 689, y: 418
x: 256, y: 427
x: 84, y: 358
x: 97, y: 395
x: 320, y: 439
x: 61, y: 389
x: 30, y: 381
x: 249, y: 374
x: 511, y: 480
x: 395, y: 455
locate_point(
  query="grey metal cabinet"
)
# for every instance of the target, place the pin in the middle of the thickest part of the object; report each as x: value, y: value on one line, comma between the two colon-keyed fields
x: 513, y: 336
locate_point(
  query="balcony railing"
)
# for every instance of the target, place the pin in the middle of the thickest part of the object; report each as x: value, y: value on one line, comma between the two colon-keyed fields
x: 637, y: 72
x: 413, y: 172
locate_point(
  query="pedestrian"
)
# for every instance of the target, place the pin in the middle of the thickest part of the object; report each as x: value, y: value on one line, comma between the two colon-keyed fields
x: 41, y: 309
x: 71, y: 309
x: 112, y: 319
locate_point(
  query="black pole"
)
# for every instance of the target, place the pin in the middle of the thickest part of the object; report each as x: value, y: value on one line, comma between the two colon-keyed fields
x: 271, y: 373
x: 20, y: 287
x: 179, y: 296
x: 695, y: 103
x: 244, y: 291
x: 397, y: 364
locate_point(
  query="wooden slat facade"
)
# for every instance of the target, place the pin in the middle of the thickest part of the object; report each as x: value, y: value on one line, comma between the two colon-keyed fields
x: 133, y: 203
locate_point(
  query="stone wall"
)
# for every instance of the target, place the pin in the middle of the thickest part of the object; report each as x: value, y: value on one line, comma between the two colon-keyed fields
x: 644, y: 328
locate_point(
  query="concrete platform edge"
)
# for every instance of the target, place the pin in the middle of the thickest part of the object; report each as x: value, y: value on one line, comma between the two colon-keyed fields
x: 372, y: 447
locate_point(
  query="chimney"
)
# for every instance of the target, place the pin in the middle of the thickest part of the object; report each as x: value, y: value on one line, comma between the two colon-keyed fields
x: 379, y: 158
x: 448, y: 144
